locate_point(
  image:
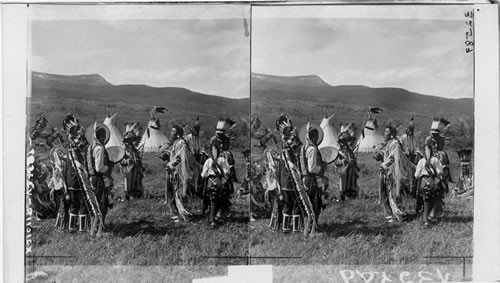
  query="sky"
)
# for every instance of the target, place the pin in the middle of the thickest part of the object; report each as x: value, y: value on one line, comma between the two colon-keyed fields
x: 206, y: 49
x: 426, y: 55
x: 208, y: 54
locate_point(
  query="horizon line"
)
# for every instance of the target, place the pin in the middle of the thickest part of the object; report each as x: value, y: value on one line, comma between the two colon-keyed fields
x: 138, y: 84
x: 357, y: 85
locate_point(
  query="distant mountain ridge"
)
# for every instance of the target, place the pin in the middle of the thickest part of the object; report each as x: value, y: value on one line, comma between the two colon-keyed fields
x: 92, y: 79
x: 96, y: 88
x: 270, y: 89
x: 306, y: 80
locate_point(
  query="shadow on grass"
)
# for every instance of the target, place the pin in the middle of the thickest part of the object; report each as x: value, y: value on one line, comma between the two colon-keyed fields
x: 199, y: 217
x: 139, y: 227
x: 458, y: 219
x: 239, y: 219
x: 359, y: 227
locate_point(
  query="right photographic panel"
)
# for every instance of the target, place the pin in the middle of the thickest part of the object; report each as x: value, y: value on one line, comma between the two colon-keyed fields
x: 362, y: 138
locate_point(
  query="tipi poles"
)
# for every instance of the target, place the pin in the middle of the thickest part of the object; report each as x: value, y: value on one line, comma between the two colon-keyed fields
x: 362, y: 130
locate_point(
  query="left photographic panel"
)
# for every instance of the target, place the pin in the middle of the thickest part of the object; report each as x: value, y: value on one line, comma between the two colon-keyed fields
x: 136, y: 138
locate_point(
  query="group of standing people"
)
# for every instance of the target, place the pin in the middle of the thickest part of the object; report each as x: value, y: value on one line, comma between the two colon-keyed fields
x: 211, y: 176
x: 77, y: 169
x: 80, y: 181
x: 299, y: 177
x: 295, y: 178
x: 424, y: 176
x: 82, y: 185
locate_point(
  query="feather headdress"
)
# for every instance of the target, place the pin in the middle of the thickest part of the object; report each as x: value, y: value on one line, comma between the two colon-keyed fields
x: 224, y: 125
x: 438, y: 125
x: 283, y: 123
x: 70, y: 122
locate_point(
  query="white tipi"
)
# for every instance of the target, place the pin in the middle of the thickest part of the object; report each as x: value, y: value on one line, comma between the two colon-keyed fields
x: 115, y: 146
x: 370, y: 138
x: 153, y: 138
x: 331, y: 136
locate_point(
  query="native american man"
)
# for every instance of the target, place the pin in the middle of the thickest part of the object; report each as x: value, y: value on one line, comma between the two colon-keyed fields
x: 132, y: 163
x: 290, y: 207
x: 264, y: 185
x: 428, y: 172
x: 194, y: 143
x: 77, y: 207
x: 78, y: 211
x: 228, y: 192
x: 313, y: 169
x: 436, y: 141
x: 100, y: 168
x: 180, y: 170
x: 59, y: 193
x: 194, y: 140
x: 290, y: 177
x: 40, y: 139
x: 395, y: 170
x: 408, y: 142
x: 220, y: 144
x: 347, y: 163
x: 252, y: 186
x: 271, y: 184
x: 216, y: 170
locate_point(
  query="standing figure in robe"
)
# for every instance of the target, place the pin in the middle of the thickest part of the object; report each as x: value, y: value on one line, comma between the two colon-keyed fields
x: 41, y: 141
x: 194, y: 143
x: 408, y: 142
x: 216, y: 170
x: 100, y: 168
x: 437, y: 141
x: 131, y: 164
x: 428, y: 172
x: 77, y: 207
x: 347, y: 163
x: 313, y: 168
x: 179, y: 175
x: 292, y: 218
x: 194, y: 140
x: 395, y: 170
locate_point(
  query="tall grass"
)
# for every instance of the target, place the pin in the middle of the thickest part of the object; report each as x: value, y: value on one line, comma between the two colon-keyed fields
x: 140, y: 232
x: 354, y: 232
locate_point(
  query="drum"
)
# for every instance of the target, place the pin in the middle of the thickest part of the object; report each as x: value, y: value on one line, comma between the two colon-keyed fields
x: 115, y: 153
x: 329, y: 154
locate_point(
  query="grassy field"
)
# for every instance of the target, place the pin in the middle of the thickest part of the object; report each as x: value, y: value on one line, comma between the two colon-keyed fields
x: 141, y: 235
x: 354, y: 232
x: 140, y: 232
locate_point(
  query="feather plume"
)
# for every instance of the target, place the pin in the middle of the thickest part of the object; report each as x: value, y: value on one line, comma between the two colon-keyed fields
x: 444, y: 122
x: 375, y: 110
x: 160, y: 109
